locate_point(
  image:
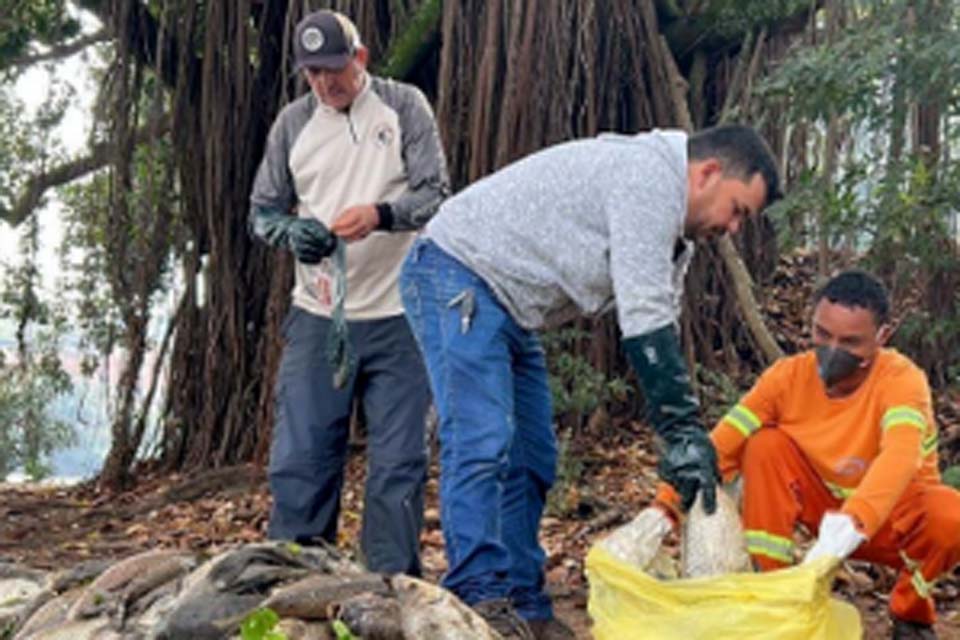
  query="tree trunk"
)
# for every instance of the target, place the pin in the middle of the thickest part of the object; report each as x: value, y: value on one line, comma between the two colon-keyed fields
x: 830, y: 152
x: 512, y: 78
x: 124, y: 444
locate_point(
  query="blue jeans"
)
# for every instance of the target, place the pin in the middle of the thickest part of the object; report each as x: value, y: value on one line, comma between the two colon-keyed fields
x: 498, y: 450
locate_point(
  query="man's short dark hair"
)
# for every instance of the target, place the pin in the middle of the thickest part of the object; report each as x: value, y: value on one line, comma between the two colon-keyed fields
x: 856, y: 288
x: 741, y: 151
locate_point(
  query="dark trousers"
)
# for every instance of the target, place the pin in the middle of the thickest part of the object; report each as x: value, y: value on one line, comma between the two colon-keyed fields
x: 309, y: 445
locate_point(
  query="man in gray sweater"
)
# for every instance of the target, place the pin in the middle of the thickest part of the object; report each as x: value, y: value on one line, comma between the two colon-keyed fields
x: 574, y: 229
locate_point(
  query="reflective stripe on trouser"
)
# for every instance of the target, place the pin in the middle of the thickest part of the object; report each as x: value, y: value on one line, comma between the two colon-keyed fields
x: 497, y: 446
x: 763, y: 543
x: 310, y: 438
x: 921, y: 538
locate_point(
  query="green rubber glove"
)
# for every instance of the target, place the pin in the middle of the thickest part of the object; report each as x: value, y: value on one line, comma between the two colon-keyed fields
x: 688, y: 461
x: 308, y: 238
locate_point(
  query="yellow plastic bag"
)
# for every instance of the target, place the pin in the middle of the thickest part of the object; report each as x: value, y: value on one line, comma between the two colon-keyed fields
x: 790, y: 604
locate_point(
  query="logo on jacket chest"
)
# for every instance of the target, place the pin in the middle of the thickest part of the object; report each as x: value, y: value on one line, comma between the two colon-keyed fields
x: 383, y: 135
x: 850, y: 467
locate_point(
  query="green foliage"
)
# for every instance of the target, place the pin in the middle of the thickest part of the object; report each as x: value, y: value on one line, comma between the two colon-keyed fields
x: 409, y: 45
x: 906, y: 228
x: 28, y: 144
x: 576, y: 386
x: 259, y: 625
x: 28, y: 435
x: 564, y: 496
x: 842, y: 78
x: 115, y: 268
x: 342, y: 631
x: 33, y: 377
x: 577, y: 389
x: 734, y: 17
x: 719, y: 393
x: 23, y: 22
x: 852, y: 76
x: 891, y: 203
x: 900, y: 227
x: 951, y: 476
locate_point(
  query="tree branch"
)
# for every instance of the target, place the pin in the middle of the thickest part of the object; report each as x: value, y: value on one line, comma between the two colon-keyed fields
x: 99, y: 156
x: 410, y: 45
x: 144, y: 414
x: 143, y: 28
x: 61, y: 51
x: 742, y: 282
x: 698, y: 29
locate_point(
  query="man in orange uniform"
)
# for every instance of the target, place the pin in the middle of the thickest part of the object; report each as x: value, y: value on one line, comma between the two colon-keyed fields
x: 842, y: 439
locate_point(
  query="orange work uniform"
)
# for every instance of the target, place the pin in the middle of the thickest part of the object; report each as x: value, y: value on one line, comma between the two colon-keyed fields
x: 872, y: 455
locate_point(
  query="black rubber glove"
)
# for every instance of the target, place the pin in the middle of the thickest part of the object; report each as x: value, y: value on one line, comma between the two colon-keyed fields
x: 308, y: 238
x: 688, y: 461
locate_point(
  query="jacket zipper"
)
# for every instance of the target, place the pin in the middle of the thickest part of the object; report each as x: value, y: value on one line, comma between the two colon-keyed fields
x: 353, y: 132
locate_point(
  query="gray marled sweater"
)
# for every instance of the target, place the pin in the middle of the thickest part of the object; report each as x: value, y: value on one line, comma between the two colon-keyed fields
x: 578, y: 227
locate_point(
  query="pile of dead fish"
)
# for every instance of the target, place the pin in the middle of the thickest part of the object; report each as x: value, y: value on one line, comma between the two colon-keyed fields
x: 178, y: 596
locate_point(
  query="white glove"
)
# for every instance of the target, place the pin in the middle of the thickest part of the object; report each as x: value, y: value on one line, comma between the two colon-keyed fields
x: 838, y: 538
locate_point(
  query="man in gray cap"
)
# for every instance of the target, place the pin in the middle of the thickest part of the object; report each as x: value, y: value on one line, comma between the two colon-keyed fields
x: 356, y: 160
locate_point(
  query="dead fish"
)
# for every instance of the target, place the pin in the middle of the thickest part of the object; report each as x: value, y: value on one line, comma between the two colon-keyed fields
x: 429, y: 612
x: 128, y: 580
x: 713, y: 544
x: 147, y: 612
x: 51, y: 614
x: 372, y: 616
x: 8, y: 571
x: 233, y: 564
x: 294, y: 629
x: 17, y: 592
x: 197, y: 609
x: 61, y: 583
x: 312, y: 597
x: 637, y: 542
x: 217, y: 596
x: 90, y: 629
x: 16, y: 595
x: 86, y: 571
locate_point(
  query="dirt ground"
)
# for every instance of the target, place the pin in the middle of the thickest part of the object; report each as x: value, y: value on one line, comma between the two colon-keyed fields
x: 52, y: 528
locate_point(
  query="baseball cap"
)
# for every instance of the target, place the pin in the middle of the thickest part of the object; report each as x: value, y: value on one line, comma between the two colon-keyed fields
x: 324, y: 39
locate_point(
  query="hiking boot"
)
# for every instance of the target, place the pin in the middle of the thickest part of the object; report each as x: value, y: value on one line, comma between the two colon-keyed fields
x: 551, y: 629
x: 907, y: 630
x: 503, y: 618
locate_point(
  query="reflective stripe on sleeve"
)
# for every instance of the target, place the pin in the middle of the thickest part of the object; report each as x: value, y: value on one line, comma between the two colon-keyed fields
x: 743, y: 420
x: 908, y: 416
x: 903, y: 415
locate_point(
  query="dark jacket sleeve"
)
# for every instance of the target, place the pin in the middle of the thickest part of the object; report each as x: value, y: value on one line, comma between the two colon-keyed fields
x: 273, y: 186
x: 423, y: 158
